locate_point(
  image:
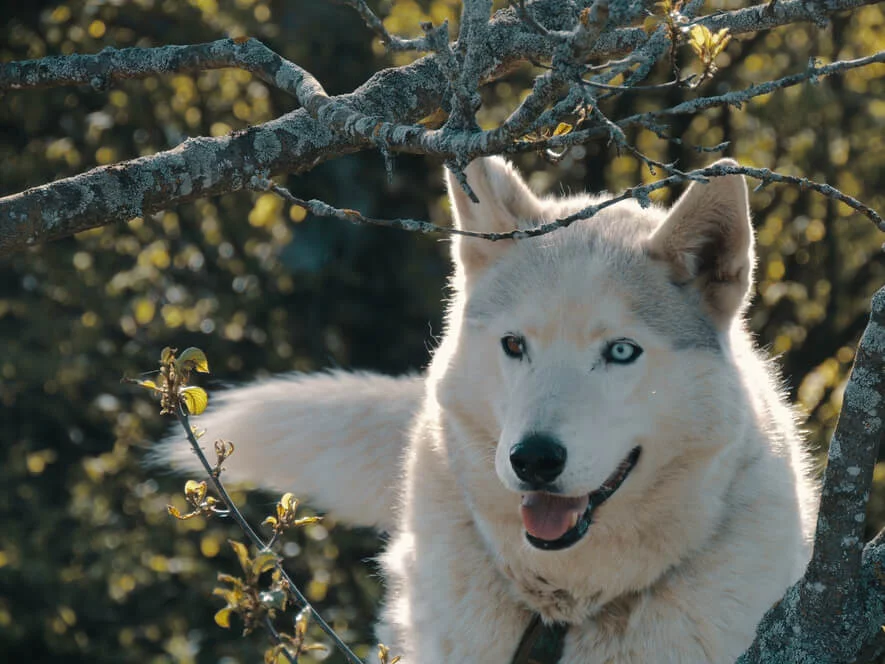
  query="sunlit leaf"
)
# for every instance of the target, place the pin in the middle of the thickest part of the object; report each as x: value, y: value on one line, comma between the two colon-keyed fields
x: 562, y: 128
x: 222, y: 618
x: 178, y: 515
x: 193, y: 359
x: 264, y: 562
x: 289, y: 502
x: 435, y: 120
x: 242, y: 555
x: 195, y: 491
x: 147, y: 384
x: 195, y: 399
x: 274, y: 599
x: 650, y: 24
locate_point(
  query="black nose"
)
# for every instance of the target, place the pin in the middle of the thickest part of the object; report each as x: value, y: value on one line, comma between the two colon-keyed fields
x: 538, y: 459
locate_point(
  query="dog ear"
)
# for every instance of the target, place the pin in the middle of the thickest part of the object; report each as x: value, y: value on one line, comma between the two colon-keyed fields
x: 707, y: 241
x: 505, y: 204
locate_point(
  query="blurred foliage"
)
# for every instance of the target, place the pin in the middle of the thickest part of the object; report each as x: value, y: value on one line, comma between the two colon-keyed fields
x: 92, y: 568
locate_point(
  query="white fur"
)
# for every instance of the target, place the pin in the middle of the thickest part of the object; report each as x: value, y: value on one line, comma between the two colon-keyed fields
x: 682, y: 561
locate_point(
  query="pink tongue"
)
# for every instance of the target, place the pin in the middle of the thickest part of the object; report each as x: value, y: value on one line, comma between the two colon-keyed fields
x: 548, y: 517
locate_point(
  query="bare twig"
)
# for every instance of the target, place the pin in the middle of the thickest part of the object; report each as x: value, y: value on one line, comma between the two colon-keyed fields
x: 639, y: 192
x: 302, y: 602
x: 392, y: 42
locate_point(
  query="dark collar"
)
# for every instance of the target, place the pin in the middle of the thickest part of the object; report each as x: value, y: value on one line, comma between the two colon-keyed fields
x: 540, y: 643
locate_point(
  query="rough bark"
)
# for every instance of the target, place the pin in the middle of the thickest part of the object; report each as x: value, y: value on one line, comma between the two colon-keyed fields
x: 381, y: 113
x: 837, y: 609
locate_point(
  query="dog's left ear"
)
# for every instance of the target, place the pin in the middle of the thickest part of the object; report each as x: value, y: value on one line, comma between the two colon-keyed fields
x: 707, y: 241
x: 505, y: 204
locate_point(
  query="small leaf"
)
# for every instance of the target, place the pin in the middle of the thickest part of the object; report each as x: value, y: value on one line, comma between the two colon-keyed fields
x: 274, y: 599
x: 289, y: 502
x: 301, y: 622
x: 242, y: 554
x: 720, y: 41
x: 178, y: 515
x: 264, y: 562
x: 562, y: 128
x: 307, y: 521
x: 435, y: 120
x: 270, y: 521
x: 700, y: 38
x: 193, y: 359
x: 195, y: 491
x: 167, y: 355
x: 149, y: 384
x: 226, y: 578
x: 222, y: 618
x: 195, y: 399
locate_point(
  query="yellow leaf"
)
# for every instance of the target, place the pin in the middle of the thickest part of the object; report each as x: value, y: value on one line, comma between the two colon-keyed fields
x: 195, y: 491
x: 301, y: 622
x: 195, y: 399
x: 149, y: 384
x: 222, y: 618
x: 700, y: 39
x: 264, y: 562
x: 270, y: 521
x: 289, y: 502
x: 307, y: 521
x: 435, y: 120
x: 562, y: 128
x: 178, y: 515
x: 242, y: 554
x: 193, y: 359
x: 166, y: 355
x: 720, y: 41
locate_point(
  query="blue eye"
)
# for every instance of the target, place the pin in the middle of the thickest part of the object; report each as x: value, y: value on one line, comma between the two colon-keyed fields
x: 622, y: 352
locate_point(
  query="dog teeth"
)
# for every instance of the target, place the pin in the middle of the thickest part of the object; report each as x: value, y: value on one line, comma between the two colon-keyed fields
x: 574, y: 520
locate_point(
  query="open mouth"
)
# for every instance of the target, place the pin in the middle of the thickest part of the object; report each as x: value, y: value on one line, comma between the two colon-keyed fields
x: 556, y: 522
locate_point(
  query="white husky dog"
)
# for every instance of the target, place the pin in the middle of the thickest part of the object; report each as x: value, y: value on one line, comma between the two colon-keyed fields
x: 596, y: 442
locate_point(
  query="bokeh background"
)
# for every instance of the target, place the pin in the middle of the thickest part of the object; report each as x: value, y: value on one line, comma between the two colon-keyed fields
x: 92, y: 569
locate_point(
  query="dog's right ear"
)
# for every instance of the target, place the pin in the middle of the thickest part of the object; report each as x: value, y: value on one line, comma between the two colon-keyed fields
x: 707, y: 240
x: 505, y: 204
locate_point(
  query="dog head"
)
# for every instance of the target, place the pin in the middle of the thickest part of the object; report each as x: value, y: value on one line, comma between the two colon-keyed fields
x: 591, y: 365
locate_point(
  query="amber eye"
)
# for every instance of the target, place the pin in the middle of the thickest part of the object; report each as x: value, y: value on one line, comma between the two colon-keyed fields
x: 514, y: 346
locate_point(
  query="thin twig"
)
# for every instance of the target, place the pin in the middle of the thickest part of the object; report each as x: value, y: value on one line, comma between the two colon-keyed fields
x: 275, y: 636
x: 639, y: 192
x: 240, y: 520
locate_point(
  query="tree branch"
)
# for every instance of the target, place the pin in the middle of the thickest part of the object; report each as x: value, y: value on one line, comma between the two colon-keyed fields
x: 838, y: 607
x: 380, y: 113
x: 640, y: 193
x: 234, y: 512
x: 111, y: 65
